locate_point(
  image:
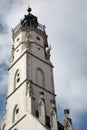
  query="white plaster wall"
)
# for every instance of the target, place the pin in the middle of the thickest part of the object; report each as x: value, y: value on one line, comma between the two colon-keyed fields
x: 38, y: 51
x: 46, y: 68
x: 17, y: 98
x: 29, y: 123
x: 35, y: 63
x: 16, y: 41
x: 17, y: 52
x: 34, y: 37
x: 30, y: 35
x: 21, y: 65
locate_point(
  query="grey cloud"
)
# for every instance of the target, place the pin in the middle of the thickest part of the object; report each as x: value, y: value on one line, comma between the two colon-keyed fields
x: 3, y: 26
x: 67, y: 35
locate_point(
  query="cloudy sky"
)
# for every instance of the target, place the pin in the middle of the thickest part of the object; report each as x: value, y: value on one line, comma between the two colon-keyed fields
x: 66, y: 26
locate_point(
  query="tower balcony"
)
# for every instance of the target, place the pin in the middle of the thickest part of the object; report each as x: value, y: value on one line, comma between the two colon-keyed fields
x: 29, y: 21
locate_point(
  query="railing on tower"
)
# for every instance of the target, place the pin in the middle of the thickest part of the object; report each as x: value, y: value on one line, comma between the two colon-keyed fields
x: 40, y: 26
x: 17, y: 27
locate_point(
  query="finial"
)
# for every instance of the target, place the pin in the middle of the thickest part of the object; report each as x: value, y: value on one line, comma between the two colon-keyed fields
x: 66, y: 112
x: 29, y: 9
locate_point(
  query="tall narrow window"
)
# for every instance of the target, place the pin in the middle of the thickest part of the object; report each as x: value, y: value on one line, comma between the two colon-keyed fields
x: 40, y: 77
x: 15, y: 113
x: 16, y: 79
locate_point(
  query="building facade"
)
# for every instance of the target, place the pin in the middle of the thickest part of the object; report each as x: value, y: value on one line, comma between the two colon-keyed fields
x: 31, y: 97
x: 30, y: 103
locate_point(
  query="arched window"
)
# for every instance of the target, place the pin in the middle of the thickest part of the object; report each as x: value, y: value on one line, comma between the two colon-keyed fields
x: 16, y: 79
x: 40, y: 77
x: 15, y: 113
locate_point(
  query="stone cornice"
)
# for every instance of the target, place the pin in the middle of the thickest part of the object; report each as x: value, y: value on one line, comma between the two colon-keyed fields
x: 42, y: 88
x: 16, y: 89
x: 17, y: 122
x: 28, y: 52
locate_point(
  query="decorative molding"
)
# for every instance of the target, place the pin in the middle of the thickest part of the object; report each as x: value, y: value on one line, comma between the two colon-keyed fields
x: 43, y: 88
x: 16, y: 89
x: 31, y: 55
x: 17, y: 122
x: 30, y: 89
x: 40, y: 59
x: 16, y: 61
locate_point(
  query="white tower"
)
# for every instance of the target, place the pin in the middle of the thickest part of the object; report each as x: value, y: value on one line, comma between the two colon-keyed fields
x: 31, y: 97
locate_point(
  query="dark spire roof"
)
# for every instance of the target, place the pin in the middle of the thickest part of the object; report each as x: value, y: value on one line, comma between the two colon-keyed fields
x: 29, y: 19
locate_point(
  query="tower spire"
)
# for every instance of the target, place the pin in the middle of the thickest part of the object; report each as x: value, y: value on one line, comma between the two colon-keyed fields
x: 29, y: 8
x: 28, y: 4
